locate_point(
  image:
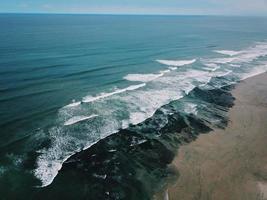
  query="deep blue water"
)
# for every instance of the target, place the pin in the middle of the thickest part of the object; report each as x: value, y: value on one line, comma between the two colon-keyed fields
x: 67, y: 81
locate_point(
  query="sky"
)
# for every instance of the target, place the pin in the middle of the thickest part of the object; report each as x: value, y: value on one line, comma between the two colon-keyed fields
x: 168, y: 7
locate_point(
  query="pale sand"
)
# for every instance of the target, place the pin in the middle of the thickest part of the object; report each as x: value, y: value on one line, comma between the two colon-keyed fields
x: 228, y: 164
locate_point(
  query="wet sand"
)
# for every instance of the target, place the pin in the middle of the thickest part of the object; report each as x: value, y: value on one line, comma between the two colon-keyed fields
x: 228, y: 164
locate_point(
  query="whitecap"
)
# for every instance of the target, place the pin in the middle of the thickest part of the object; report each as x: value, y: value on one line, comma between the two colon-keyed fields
x: 77, y: 119
x: 89, y: 99
x: 137, y: 117
x: 100, y: 176
x: 190, y: 108
x: 221, y: 60
x: 244, y: 56
x: 50, y: 161
x: 142, y: 77
x: 176, y: 63
x: 135, y: 106
x: 235, y: 65
x: 211, y: 66
x: 47, y: 169
x: 173, y: 68
x: 223, y: 73
x: 228, y: 52
x: 253, y: 72
x: 130, y: 105
x: 73, y: 104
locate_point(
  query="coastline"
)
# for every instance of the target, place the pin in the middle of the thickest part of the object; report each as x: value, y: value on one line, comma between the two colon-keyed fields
x: 228, y: 163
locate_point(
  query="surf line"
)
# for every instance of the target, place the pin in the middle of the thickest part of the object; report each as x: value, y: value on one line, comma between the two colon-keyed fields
x: 90, y: 99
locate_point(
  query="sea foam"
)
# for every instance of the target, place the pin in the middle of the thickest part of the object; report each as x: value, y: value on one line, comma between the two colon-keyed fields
x: 143, y: 77
x: 137, y: 104
x: 245, y: 56
x: 134, y: 104
x: 77, y: 119
x: 176, y: 63
x: 254, y: 72
x: 228, y: 52
x: 89, y: 99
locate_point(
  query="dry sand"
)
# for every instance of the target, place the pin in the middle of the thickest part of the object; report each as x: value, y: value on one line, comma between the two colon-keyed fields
x: 228, y: 164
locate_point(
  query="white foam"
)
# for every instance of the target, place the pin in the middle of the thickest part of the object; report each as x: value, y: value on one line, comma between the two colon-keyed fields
x: 173, y: 68
x: 165, y: 71
x: 100, y: 176
x: 244, y: 56
x: 211, y: 66
x: 228, y: 52
x: 124, y: 124
x: 89, y: 99
x: 190, y: 108
x: 50, y: 163
x: 137, y: 117
x: 48, y: 169
x: 223, y: 73
x: 77, y: 119
x: 138, y: 105
x: 234, y: 65
x: 254, y: 72
x: 143, y: 77
x: 176, y: 63
x: 221, y: 60
x: 73, y: 104
x: 130, y: 105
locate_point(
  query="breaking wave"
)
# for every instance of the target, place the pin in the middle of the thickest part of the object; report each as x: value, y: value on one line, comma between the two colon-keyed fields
x: 83, y: 123
x: 176, y: 63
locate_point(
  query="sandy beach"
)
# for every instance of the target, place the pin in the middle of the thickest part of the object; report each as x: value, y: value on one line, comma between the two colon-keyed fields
x: 232, y: 163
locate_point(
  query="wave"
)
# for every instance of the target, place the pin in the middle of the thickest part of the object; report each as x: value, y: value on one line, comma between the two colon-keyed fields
x: 176, y: 63
x: 73, y: 104
x: 31, y: 94
x: 245, y: 56
x: 117, y: 110
x: 253, y: 72
x: 228, y: 52
x: 142, y: 77
x: 89, y: 99
x: 221, y: 60
x: 163, y: 133
x: 77, y: 119
x: 148, y: 77
x: 49, y: 168
x: 234, y: 65
x: 132, y: 105
x: 211, y: 66
x: 173, y: 68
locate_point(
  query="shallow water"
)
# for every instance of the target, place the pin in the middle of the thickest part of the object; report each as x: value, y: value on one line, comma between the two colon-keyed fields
x: 68, y: 81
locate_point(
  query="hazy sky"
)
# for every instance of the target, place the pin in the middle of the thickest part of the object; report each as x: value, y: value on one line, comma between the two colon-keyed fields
x: 220, y: 7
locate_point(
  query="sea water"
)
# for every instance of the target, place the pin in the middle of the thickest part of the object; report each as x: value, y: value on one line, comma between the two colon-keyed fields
x: 68, y: 82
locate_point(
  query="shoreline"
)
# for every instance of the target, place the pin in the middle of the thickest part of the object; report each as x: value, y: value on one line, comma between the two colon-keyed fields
x: 228, y: 163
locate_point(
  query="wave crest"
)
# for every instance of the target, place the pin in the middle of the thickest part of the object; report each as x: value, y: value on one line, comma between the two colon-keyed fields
x: 176, y: 63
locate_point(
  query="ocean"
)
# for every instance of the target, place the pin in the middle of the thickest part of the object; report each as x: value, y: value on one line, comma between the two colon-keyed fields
x: 96, y: 106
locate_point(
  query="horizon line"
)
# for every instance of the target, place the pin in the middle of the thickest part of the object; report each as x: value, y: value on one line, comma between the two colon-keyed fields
x: 133, y: 14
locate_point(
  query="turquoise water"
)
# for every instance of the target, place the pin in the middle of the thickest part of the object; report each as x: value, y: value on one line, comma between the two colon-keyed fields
x: 67, y: 81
